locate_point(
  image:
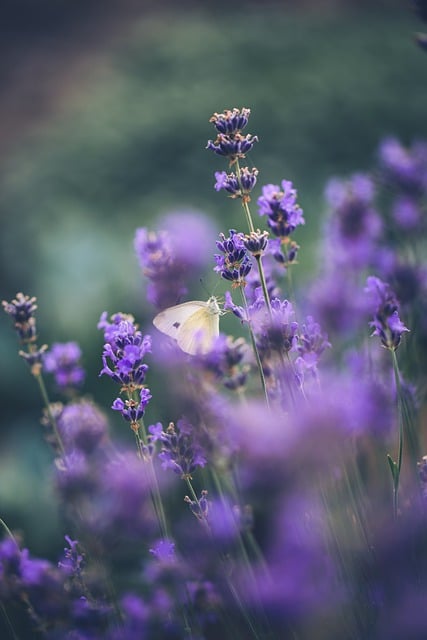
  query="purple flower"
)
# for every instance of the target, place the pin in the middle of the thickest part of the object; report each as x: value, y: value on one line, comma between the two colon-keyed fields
x: 179, y: 449
x: 124, y: 350
x: 386, y: 323
x: 278, y: 333
x: 225, y: 361
x: 256, y: 242
x: 280, y: 206
x: 237, y: 188
x: 312, y: 343
x: 131, y: 410
x: 22, y: 310
x: 63, y: 360
x: 72, y: 561
x: 231, y: 121
x: 164, y: 551
x: 235, y: 263
x: 406, y: 168
x: 171, y: 258
x: 230, y: 142
x: 354, y: 225
x: 82, y: 426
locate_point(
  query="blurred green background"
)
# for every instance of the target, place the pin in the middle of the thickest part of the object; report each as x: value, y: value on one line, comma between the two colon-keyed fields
x: 104, y: 124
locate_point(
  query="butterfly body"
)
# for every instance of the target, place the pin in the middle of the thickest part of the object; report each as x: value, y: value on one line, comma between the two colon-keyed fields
x: 194, y: 325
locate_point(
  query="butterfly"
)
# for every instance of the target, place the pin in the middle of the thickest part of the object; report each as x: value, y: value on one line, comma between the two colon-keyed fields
x: 194, y: 325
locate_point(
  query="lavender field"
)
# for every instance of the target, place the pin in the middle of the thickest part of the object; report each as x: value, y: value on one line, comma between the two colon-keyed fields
x: 255, y: 464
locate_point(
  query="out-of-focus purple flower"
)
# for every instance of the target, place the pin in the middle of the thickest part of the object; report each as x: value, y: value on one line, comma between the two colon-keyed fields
x: 131, y: 410
x: 124, y: 351
x: 404, y: 167
x: 338, y: 303
x: 179, y: 449
x: 199, y: 507
x: 225, y: 361
x: 312, y: 343
x: 385, y: 308
x: 407, y: 213
x: 63, y: 360
x: 72, y: 561
x: 22, y: 309
x: 235, y: 187
x: 174, y: 256
x: 281, y: 208
x: 164, y: 551
x: 82, y: 426
x: 121, y: 509
x: 230, y: 142
x: 278, y: 332
x: 302, y: 578
x: 354, y: 225
x: 235, y: 263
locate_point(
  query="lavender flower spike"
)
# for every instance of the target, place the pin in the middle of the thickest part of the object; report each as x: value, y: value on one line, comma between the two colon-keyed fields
x: 386, y: 323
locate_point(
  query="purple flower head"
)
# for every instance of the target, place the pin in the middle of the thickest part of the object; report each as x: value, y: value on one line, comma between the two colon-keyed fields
x: 256, y: 242
x: 22, y: 310
x: 174, y: 256
x: 121, y: 510
x: 76, y: 477
x: 179, y: 449
x: 278, y: 333
x: 229, y: 305
x: 230, y: 142
x: 312, y: 343
x: 63, y: 360
x: 407, y: 214
x: 164, y: 551
x: 131, y: 410
x: 225, y: 361
x: 354, y: 225
x: 237, y: 188
x: 234, y: 264
x: 281, y: 208
x: 199, y: 507
x: 406, y: 168
x: 124, y: 351
x: 82, y: 426
x: 72, y: 561
x: 231, y: 121
x: 385, y: 308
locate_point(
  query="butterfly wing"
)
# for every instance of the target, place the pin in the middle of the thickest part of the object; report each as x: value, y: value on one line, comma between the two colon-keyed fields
x: 171, y: 320
x: 199, y: 331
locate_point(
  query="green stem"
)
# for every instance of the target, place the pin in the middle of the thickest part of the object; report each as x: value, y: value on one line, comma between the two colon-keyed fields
x: 256, y: 352
x: 51, y: 417
x: 396, y: 470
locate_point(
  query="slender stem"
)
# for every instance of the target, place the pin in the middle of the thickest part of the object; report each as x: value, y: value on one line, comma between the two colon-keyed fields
x: 244, y: 201
x: 263, y: 284
x: 51, y: 417
x: 256, y: 352
x: 398, y: 464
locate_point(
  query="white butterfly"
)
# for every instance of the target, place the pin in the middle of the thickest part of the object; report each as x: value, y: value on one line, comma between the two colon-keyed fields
x: 194, y: 325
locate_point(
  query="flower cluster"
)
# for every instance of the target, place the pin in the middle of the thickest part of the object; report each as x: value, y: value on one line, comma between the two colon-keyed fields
x: 22, y: 309
x: 230, y: 142
x: 386, y: 323
x: 234, y: 264
x: 283, y: 212
x: 179, y: 451
x: 63, y: 361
